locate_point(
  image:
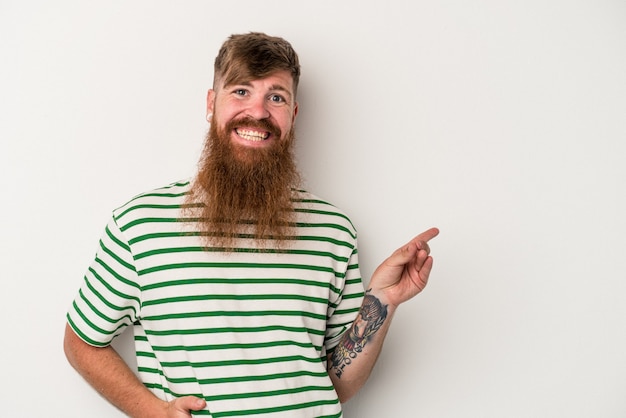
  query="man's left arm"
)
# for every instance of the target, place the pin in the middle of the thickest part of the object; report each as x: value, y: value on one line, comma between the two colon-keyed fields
x: 399, y: 278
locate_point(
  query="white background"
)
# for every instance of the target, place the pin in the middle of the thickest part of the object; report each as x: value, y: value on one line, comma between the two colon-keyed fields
x: 501, y: 122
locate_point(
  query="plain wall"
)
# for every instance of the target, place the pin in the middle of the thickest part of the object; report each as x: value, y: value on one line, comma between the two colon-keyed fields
x: 501, y: 122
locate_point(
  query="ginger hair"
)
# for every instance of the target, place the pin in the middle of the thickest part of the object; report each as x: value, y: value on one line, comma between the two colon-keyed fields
x: 255, y: 55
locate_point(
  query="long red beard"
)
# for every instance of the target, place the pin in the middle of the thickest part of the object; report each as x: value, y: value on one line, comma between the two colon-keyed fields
x: 240, y: 190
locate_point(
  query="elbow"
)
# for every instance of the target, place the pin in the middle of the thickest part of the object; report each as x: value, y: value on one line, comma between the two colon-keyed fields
x: 344, y: 397
x: 67, y: 345
x: 71, y: 346
x: 347, y: 389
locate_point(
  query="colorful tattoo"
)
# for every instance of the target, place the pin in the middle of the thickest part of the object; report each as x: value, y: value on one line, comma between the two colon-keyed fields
x: 368, y: 321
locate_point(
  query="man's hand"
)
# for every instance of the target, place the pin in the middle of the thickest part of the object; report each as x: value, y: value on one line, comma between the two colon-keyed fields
x: 405, y: 273
x: 400, y: 277
x: 107, y: 372
x: 181, y: 407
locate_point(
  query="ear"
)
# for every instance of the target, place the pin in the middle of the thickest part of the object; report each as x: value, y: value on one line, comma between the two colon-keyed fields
x: 295, y: 113
x: 210, y: 101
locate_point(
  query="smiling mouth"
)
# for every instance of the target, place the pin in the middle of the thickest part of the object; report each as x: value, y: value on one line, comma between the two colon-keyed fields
x: 252, y: 135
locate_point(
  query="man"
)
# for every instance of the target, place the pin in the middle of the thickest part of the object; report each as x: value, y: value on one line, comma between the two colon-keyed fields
x: 244, y: 292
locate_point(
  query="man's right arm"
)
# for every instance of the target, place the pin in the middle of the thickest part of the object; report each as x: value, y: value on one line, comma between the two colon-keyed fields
x: 108, y: 373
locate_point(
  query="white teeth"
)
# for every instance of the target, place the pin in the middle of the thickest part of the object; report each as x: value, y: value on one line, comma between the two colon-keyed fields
x: 250, y: 135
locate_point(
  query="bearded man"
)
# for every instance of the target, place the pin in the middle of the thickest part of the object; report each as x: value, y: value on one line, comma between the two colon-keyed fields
x: 244, y: 292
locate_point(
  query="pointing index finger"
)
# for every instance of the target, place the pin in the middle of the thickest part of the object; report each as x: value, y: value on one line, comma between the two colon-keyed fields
x: 427, y: 235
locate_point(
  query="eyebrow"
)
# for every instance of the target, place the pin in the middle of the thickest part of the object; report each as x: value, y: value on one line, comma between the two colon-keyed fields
x: 278, y: 87
x: 273, y: 87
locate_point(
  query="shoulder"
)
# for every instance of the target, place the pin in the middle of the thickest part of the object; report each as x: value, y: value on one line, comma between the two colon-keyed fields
x: 317, y: 209
x: 155, y: 201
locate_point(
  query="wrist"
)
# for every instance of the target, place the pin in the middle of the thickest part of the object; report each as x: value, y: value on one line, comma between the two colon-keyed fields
x: 382, y: 297
x: 151, y: 408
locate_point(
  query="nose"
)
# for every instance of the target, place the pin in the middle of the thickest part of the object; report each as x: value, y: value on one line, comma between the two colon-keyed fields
x: 257, y: 108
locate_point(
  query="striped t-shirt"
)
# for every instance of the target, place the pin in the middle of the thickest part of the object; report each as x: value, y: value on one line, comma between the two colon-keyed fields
x: 248, y: 331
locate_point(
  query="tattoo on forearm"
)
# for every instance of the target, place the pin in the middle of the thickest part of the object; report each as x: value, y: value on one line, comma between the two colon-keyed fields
x: 368, y: 321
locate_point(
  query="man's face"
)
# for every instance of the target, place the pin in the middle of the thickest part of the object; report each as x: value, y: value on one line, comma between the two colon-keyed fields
x: 247, y: 171
x: 255, y: 115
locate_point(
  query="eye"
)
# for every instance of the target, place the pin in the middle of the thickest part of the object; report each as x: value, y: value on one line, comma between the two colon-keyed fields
x: 276, y: 98
x: 240, y: 92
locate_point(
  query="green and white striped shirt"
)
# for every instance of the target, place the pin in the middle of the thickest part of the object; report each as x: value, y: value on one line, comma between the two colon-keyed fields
x: 248, y: 331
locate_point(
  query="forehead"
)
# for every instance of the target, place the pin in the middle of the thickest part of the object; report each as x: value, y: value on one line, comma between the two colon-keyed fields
x: 277, y: 80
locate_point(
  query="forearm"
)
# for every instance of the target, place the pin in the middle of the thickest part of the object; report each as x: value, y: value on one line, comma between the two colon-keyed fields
x: 353, y: 359
x: 109, y: 374
x: 399, y: 278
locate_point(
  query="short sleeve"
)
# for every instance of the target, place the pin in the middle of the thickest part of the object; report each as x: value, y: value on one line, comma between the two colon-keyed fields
x: 109, y: 298
x: 343, y: 312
